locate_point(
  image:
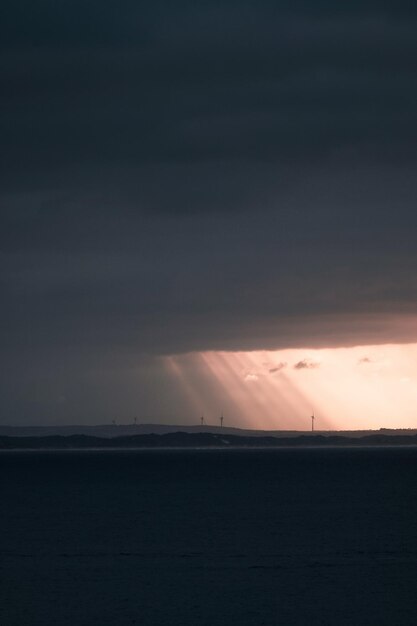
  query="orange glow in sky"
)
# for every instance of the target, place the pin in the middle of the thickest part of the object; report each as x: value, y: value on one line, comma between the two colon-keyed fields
x: 348, y: 388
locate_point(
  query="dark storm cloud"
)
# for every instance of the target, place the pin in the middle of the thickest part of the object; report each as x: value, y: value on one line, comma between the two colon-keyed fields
x: 277, y: 368
x: 213, y: 176
x: 220, y: 82
x: 306, y: 364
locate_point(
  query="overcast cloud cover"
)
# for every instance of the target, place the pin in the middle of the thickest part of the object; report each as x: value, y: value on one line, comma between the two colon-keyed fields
x: 192, y: 176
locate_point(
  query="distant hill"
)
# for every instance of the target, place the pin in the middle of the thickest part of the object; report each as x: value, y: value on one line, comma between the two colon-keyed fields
x: 111, y: 431
x: 197, y: 440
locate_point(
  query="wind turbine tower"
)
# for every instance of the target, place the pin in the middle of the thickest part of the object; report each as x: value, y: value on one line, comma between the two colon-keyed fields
x: 221, y: 420
x: 202, y: 420
x: 312, y: 422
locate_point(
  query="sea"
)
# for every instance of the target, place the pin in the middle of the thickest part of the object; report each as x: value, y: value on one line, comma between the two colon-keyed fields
x: 207, y: 537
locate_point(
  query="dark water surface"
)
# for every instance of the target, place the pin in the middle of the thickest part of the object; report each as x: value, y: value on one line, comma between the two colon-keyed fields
x: 209, y: 537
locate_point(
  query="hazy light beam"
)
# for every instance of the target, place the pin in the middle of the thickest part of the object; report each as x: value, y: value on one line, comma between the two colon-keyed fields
x: 363, y: 387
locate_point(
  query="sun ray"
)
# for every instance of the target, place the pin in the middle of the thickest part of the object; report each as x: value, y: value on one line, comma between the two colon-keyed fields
x: 348, y: 388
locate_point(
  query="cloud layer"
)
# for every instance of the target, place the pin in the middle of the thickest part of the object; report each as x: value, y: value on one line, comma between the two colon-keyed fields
x: 203, y: 177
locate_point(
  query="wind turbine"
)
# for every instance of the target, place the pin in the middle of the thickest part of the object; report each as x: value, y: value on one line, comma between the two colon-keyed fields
x: 312, y: 422
x: 221, y: 420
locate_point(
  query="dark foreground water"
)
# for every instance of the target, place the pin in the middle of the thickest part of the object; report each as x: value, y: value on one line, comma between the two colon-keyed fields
x: 209, y: 537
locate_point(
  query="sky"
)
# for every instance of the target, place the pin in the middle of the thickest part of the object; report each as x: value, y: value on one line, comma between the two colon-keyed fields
x: 190, y: 190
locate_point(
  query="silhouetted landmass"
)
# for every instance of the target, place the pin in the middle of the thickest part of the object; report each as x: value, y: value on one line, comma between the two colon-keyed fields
x: 111, y: 431
x: 198, y: 440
